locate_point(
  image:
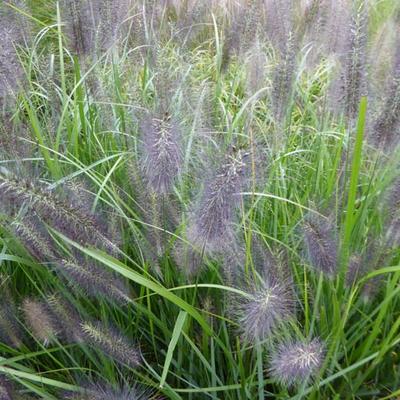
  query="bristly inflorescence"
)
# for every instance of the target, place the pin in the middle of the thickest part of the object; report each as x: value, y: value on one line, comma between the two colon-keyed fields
x: 110, y: 342
x: 386, y: 127
x: 281, y: 34
x: 6, y: 389
x: 320, y: 239
x: 392, y: 234
x: 296, y: 362
x: 212, y: 223
x: 10, y: 331
x: 66, y: 318
x: 265, y: 309
x: 30, y: 231
x: 93, y: 279
x: 283, y: 79
x: 40, y: 320
x: 100, y: 391
x: 11, y: 72
x: 355, y: 65
x: 162, y: 153
x: 73, y: 221
x: 94, y: 25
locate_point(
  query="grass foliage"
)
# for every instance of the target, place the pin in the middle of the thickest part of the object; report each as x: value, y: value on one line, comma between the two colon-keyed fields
x: 199, y: 199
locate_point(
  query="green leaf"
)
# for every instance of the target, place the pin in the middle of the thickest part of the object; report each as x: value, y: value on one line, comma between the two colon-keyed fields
x: 180, y: 321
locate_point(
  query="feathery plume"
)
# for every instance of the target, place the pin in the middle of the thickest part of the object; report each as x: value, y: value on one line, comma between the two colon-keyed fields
x: 6, y: 389
x: 354, y: 270
x: 30, y: 231
x: 162, y: 161
x: 320, y: 239
x: 385, y: 129
x: 106, y: 392
x: 211, y: 225
x: 250, y: 25
x: 11, y: 72
x: 74, y: 222
x: 242, y: 31
x: 255, y: 69
x: 265, y: 309
x: 40, y: 320
x: 10, y: 332
x: 296, y: 362
x: 67, y: 320
x: 110, y: 342
x: 392, y: 235
x: 93, y: 279
x: 354, y: 84
x: 328, y: 23
x: 283, y: 78
x: 92, y: 26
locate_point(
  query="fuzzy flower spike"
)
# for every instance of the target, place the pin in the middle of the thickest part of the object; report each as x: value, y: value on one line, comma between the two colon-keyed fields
x: 296, y: 362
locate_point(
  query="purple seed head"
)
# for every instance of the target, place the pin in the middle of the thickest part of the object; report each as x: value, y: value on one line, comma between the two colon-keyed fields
x: 354, y: 270
x: 386, y: 127
x: 12, y: 35
x: 91, y: 26
x: 111, y: 342
x: 100, y: 391
x: 10, y: 332
x: 320, y: 239
x: 212, y: 222
x: 70, y: 219
x: 40, y: 320
x: 162, y: 161
x: 93, y: 279
x: 31, y: 232
x: 354, y: 76
x: 66, y: 318
x: 6, y: 389
x: 264, y: 310
x: 296, y: 362
x: 283, y: 78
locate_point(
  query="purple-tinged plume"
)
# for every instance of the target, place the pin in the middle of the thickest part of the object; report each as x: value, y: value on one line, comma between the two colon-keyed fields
x: 6, y: 389
x: 93, y: 279
x: 265, y: 309
x: 12, y: 34
x: 354, y: 76
x: 40, y: 320
x: 111, y: 343
x: 354, y: 270
x: 211, y: 225
x: 74, y: 222
x: 162, y: 160
x: 328, y: 22
x: 296, y: 362
x: 30, y: 231
x: 386, y: 128
x: 106, y: 392
x: 94, y: 25
x: 67, y: 320
x: 10, y: 332
x: 320, y: 239
x: 283, y: 79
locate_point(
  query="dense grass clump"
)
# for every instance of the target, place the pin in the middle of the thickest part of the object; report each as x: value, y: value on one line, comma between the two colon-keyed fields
x: 199, y: 199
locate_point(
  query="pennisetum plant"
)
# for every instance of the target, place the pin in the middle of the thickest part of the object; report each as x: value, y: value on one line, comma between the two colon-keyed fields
x: 10, y: 331
x: 110, y: 342
x: 268, y: 305
x: 321, y: 243
x: 296, y: 362
x: 102, y: 391
x: 385, y: 128
x: 41, y: 322
x: 64, y: 216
